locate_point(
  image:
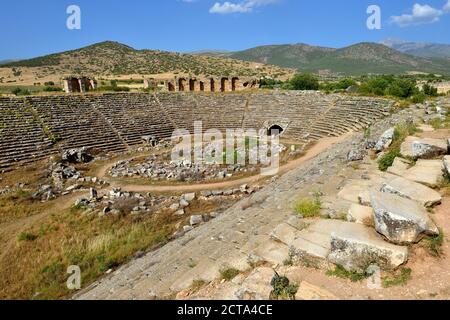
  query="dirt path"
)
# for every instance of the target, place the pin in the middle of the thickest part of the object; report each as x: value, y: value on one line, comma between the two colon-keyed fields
x: 319, y: 147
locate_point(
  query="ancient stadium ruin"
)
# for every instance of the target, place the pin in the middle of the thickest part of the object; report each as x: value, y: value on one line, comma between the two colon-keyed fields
x: 34, y: 127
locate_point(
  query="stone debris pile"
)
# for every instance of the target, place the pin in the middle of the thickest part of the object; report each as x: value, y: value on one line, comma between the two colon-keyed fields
x: 186, y: 171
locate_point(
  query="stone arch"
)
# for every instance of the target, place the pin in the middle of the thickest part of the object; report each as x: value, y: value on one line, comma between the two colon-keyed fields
x: 235, y: 84
x: 224, y: 84
x: 171, y: 86
x: 202, y: 86
x: 275, y: 128
x: 182, y: 84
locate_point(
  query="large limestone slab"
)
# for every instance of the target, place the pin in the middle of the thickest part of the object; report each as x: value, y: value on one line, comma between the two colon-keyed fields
x: 273, y: 252
x: 401, y: 220
x: 356, y: 247
x: 428, y: 148
x: 427, y: 172
x: 351, y: 245
x: 412, y: 190
x: 360, y: 214
x: 385, y: 140
x: 399, y: 167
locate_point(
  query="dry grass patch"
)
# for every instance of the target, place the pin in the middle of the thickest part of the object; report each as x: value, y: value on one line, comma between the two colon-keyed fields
x: 33, y: 265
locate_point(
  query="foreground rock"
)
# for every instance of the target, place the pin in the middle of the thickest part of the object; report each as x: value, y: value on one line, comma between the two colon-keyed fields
x: 80, y: 155
x: 385, y: 140
x: 356, y: 247
x: 412, y: 190
x: 447, y: 165
x: 351, y: 245
x: 428, y: 148
x: 423, y: 148
x: 401, y: 220
x: 427, y: 172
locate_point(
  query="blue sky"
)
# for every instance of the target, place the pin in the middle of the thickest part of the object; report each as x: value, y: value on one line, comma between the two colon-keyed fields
x: 33, y: 28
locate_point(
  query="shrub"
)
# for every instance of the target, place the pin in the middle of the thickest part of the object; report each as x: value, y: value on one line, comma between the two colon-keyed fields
x: 304, y: 82
x: 402, y: 88
x: 419, y: 98
x: 229, y: 274
x: 429, y: 90
x: 52, y: 89
x: 308, y: 208
x: 282, y: 288
x: 20, y: 92
x: 387, y: 160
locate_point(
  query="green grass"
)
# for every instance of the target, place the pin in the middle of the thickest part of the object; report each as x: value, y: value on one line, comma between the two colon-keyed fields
x: 387, y: 160
x: 440, y: 123
x: 229, y: 274
x: 434, y: 244
x: 401, y: 132
x: 308, y: 207
x: 401, y: 278
x: 26, y: 236
x: 341, y: 272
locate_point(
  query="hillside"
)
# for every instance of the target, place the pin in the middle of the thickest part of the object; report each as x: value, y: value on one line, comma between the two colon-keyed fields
x: 357, y: 59
x: 112, y: 59
x: 420, y: 49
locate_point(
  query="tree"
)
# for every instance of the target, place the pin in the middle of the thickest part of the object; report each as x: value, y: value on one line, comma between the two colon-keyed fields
x: 304, y: 82
x: 429, y: 90
x: 402, y: 88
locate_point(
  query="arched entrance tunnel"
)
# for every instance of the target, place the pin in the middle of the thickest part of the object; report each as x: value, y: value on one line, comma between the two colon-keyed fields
x: 275, y: 130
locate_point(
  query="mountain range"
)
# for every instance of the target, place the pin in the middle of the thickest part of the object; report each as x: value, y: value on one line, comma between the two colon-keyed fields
x: 113, y: 58
x: 420, y: 49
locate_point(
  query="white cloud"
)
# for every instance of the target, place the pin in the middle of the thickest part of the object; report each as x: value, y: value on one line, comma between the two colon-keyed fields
x: 421, y: 14
x: 447, y: 7
x: 241, y: 7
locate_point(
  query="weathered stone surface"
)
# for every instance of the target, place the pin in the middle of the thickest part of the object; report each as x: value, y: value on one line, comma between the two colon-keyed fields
x: 348, y: 244
x: 427, y: 172
x: 195, y: 220
x: 401, y: 220
x: 257, y: 285
x: 359, y: 214
x: 356, y: 247
x: 399, y: 166
x: 412, y: 190
x: 310, y: 292
x: 406, y: 147
x: 357, y: 153
x: 428, y: 148
x: 80, y: 155
x: 189, y: 197
x: 273, y: 252
x: 385, y: 140
x: 447, y: 165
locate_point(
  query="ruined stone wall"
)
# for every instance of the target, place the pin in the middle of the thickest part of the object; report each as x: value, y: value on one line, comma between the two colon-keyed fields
x: 202, y: 84
x: 34, y: 127
x: 74, y: 84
